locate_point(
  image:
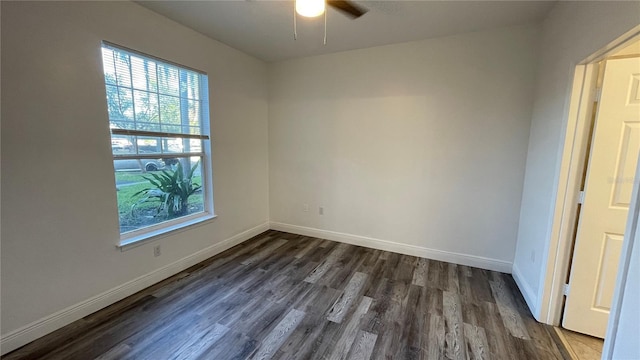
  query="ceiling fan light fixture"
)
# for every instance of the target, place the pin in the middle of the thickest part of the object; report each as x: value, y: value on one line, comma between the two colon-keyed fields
x: 310, y: 8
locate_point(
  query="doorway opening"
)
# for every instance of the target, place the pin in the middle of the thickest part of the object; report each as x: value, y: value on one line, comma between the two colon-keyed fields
x: 595, y: 191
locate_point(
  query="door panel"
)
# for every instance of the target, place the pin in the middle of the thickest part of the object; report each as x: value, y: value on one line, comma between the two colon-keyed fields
x: 626, y: 165
x: 608, y: 268
x: 608, y: 187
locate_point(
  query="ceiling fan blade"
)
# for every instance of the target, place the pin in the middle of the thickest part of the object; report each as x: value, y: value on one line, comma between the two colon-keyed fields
x: 347, y: 7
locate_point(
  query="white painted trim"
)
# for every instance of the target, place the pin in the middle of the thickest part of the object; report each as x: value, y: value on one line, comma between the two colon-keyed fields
x: 44, y: 326
x: 165, y: 231
x: 527, y: 292
x: 452, y: 257
x: 583, y: 92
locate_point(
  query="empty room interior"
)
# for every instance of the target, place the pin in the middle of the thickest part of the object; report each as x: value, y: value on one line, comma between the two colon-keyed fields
x: 318, y: 179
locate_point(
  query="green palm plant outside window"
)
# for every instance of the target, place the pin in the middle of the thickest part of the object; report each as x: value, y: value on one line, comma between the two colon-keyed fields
x: 172, y: 188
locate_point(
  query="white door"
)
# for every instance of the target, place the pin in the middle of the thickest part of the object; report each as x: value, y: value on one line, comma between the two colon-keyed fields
x: 608, y: 187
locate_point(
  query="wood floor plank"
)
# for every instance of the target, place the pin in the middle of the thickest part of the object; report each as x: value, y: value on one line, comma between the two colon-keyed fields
x: 437, y: 276
x: 390, y: 331
x: 232, y: 345
x: 218, y: 308
x: 278, y: 335
x: 325, y: 265
x: 434, y: 299
x: 157, y: 342
x: 543, y: 339
x: 257, y: 324
x: 464, y: 286
x: 465, y: 271
x: 375, y: 276
x: 115, y: 353
x: 371, y: 257
x: 286, y: 296
x: 362, y: 346
x: 348, y: 336
x: 391, y: 265
x: 99, y: 339
x: 343, y: 270
x: 318, y: 300
x: 50, y: 343
x: 307, y: 331
x: 391, y: 299
x: 501, y: 344
x: 177, y: 282
x: 350, y: 294
x: 324, y: 243
x: 168, y: 341
x: 454, y: 327
x: 197, y: 344
x: 420, y: 273
x: 264, y: 252
x: 382, y: 298
x: 405, y: 269
x: 480, y: 285
x: 413, y: 319
x: 511, y: 318
x: 311, y: 245
x: 453, y: 283
x: 433, y: 344
x: 476, y: 342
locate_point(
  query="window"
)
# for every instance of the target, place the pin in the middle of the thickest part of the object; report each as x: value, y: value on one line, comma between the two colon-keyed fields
x: 158, y: 116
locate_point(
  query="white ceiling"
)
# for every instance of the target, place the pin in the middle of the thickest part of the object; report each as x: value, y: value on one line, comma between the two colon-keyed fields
x: 264, y: 29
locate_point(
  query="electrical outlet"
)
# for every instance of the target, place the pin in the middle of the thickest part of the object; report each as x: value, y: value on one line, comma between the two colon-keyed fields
x: 321, y: 210
x: 305, y: 207
x: 156, y: 251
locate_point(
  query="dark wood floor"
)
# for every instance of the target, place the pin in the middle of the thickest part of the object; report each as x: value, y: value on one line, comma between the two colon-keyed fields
x: 285, y: 296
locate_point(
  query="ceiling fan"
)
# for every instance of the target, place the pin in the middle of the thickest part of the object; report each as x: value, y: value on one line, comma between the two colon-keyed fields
x: 314, y: 8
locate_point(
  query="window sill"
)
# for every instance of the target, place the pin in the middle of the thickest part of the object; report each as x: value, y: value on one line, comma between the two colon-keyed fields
x: 151, y: 236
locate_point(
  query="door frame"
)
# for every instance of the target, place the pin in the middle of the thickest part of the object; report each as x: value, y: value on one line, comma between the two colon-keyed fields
x: 580, y: 115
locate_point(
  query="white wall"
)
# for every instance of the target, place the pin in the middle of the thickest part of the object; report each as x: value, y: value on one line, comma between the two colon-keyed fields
x: 422, y: 144
x: 59, y: 214
x: 571, y: 32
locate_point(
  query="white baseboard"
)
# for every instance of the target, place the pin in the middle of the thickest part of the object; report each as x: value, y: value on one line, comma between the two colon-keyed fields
x: 452, y: 257
x: 48, y: 324
x: 526, y: 290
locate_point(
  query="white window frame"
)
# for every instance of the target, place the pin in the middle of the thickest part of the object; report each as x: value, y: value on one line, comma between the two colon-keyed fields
x: 137, y: 237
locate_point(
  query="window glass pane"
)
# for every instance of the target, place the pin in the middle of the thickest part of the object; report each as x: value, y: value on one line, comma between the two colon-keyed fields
x: 193, y: 85
x: 149, y: 145
x: 172, y: 128
x: 120, y: 105
x: 168, y: 80
x: 139, y: 73
x: 194, y: 116
x: 152, y: 78
x: 109, y: 69
x: 173, y: 145
x: 144, y: 195
x: 122, y: 145
x: 147, y: 112
x: 113, y: 103
x: 123, y: 71
x: 170, y: 112
x: 195, y: 145
x: 126, y: 145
